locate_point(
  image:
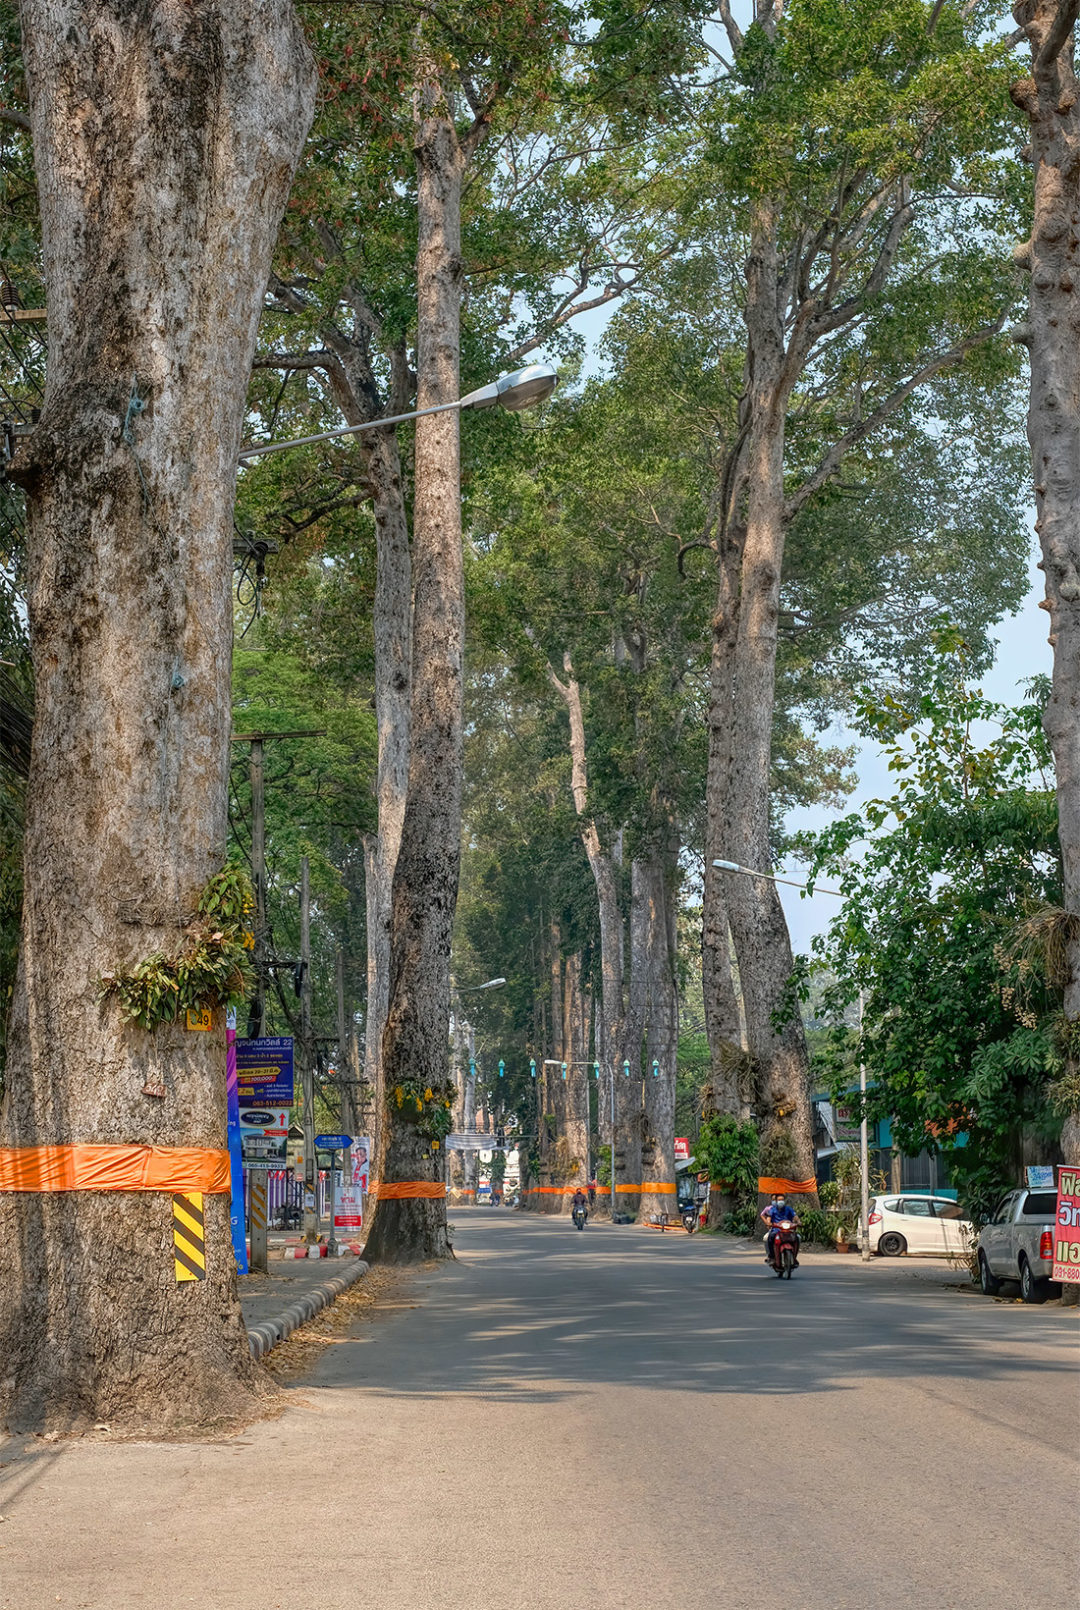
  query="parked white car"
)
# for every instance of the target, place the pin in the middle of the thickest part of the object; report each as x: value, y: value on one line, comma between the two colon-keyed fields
x: 908, y: 1222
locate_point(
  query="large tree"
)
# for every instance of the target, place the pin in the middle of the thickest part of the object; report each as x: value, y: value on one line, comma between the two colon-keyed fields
x: 859, y: 145
x: 1049, y: 96
x: 165, y: 139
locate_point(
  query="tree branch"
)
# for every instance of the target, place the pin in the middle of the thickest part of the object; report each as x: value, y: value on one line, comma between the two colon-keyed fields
x: 858, y: 433
x: 1060, y: 32
x: 17, y: 120
x: 731, y: 27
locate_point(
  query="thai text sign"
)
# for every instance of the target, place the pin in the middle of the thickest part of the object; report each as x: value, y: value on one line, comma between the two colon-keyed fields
x: 264, y: 1071
x: 1067, y: 1227
x: 682, y: 1148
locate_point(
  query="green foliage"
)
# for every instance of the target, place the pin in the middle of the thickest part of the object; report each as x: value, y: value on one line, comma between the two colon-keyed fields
x: 742, y: 1220
x: 428, y: 1107
x: 210, y: 969
x: 944, y: 929
x: 817, y: 1226
x: 729, y: 1150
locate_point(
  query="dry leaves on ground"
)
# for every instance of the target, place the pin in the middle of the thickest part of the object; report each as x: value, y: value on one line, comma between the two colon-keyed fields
x: 379, y: 1291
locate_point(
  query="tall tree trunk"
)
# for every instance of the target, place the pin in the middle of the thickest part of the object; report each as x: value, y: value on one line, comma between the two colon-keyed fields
x: 759, y: 928
x: 575, y: 1110
x: 621, y: 1013
x: 1051, y: 98
x: 392, y: 623
x: 165, y: 139
x: 658, y: 1193
x: 547, y: 1195
x: 728, y: 1072
x: 409, y: 1228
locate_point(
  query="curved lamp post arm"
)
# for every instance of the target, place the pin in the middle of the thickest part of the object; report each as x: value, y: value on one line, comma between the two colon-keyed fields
x: 525, y: 388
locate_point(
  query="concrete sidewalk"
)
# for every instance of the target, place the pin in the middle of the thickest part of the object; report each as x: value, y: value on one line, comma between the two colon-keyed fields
x: 264, y: 1296
x: 291, y: 1293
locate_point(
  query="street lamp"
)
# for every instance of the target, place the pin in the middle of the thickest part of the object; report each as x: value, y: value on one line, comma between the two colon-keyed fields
x: 474, y: 989
x: 522, y: 389
x: 864, y: 1141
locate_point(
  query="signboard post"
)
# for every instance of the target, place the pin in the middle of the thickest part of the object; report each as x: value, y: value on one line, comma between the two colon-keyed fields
x: 1067, y: 1228
x: 682, y: 1149
x: 236, y: 1156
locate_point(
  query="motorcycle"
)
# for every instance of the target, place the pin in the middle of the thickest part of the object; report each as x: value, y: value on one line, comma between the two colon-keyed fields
x: 689, y: 1218
x: 580, y: 1214
x: 785, y: 1251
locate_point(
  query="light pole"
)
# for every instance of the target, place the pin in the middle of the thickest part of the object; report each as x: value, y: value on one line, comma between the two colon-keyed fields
x: 864, y: 1138
x: 522, y: 389
x: 468, y: 1104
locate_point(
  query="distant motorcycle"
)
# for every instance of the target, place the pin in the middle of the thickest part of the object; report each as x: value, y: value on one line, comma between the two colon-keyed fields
x: 690, y: 1220
x: 785, y: 1250
x: 580, y: 1214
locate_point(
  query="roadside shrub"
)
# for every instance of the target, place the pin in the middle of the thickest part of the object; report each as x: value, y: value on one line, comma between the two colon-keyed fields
x: 741, y: 1220
x: 729, y: 1150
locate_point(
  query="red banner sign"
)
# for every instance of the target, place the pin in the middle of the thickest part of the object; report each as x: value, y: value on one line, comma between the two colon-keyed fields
x: 682, y: 1148
x: 1067, y: 1227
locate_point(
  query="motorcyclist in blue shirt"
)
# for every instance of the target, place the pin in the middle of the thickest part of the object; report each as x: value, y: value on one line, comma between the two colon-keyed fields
x: 779, y: 1212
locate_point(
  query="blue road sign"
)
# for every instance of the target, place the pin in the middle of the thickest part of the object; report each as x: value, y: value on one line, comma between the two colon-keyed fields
x: 333, y: 1143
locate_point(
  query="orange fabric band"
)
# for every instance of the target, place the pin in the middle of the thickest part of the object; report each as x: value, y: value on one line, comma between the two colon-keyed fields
x: 403, y: 1190
x: 553, y: 1190
x: 113, y: 1168
x: 787, y: 1187
x: 653, y: 1188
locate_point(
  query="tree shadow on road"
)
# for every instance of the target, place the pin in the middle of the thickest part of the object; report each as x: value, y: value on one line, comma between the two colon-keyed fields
x: 536, y: 1312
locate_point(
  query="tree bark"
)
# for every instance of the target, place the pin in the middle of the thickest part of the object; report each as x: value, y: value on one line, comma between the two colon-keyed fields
x: 165, y: 139
x: 658, y: 1194
x: 1051, y: 98
x: 426, y: 874
x: 762, y: 943
x: 729, y: 1090
x: 620, y: 1017
x: 392, y: 623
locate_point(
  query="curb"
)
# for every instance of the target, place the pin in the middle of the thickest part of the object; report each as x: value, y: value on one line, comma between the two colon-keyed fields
x: 266, y: 1335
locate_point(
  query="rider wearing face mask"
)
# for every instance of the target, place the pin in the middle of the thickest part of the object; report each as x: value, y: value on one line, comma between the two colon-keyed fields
x: 779, y: 1212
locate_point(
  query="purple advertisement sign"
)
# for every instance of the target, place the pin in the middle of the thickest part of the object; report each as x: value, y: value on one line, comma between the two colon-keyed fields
x: 264, y: 1069
x: 236, y: 1167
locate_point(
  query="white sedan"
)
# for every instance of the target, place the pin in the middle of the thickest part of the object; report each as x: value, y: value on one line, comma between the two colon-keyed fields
x: 908, y: 1222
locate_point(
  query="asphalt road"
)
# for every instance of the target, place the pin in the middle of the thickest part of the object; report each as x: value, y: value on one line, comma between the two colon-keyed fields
x: 610, y: 1419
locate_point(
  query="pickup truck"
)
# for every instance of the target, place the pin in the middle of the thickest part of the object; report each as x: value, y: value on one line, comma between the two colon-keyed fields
x: 1018, y: 1244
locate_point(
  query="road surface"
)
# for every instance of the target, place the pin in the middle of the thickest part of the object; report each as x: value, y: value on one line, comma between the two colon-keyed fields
x: 595, y: 1421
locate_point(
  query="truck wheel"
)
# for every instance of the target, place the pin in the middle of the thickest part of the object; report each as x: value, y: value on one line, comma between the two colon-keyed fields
x: 990, y: 1284
x: 892, y: 1245
x: 1031, y: 1289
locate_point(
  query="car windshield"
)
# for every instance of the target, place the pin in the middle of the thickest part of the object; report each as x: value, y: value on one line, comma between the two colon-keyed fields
x: 1040, y: 1205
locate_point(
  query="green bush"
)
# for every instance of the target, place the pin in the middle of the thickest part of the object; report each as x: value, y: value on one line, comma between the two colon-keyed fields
x: 817, y: 1227
x: 729, y: 1150
x: 742, y: 1219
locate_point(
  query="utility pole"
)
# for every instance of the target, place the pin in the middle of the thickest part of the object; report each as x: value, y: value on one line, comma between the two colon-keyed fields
x: 864, y: 1147
x: 347, y: 1102
x: 344, y: 1071
x: 257, y: 1018
x: 311, y: 1173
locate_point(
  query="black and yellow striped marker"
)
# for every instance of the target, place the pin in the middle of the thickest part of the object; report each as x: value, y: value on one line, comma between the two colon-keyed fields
x: 189, y: 1235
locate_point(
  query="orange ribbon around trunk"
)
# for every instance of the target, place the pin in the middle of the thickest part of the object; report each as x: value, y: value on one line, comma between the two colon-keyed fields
x: 773, y: 1187
x: 113, y: 1168
x: 401, y: 1190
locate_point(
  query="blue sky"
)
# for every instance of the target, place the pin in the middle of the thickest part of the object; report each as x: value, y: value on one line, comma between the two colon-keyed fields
x: 1023, y: 651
